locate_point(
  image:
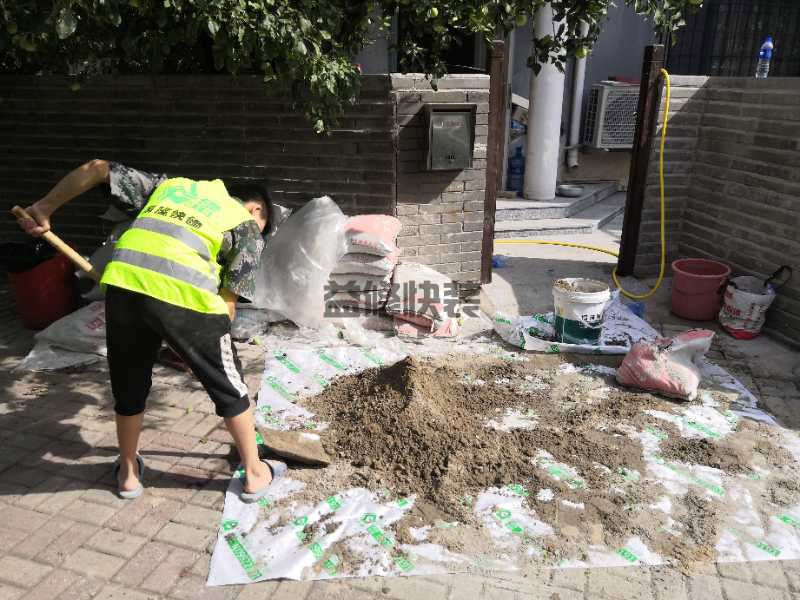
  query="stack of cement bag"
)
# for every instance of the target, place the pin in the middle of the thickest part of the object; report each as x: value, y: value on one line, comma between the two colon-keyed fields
x: 363, y: 276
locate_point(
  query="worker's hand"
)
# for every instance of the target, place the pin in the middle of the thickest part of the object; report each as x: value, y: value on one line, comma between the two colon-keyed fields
x: 38, y: 224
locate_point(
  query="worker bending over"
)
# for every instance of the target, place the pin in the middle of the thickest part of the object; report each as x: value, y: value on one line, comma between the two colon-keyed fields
x: 175, y: 276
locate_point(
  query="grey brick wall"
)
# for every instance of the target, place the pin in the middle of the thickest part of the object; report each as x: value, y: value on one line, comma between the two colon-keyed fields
x: 441, y: 211
x: 218, y: 126
x: 738, y: 145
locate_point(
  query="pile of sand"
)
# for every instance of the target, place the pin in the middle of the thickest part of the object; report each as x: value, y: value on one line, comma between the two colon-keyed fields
x: 420, y: 427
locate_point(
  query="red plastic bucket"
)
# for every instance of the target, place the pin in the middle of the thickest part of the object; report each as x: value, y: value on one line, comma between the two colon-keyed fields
x: 45, y: 293
x: 697, y: 288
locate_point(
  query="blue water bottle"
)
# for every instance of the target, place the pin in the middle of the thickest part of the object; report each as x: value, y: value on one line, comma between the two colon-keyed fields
x: 764, y: 58
x: 516, y: 172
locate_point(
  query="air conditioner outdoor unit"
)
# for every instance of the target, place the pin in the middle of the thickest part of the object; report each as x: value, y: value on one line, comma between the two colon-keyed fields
x: 611, y: 115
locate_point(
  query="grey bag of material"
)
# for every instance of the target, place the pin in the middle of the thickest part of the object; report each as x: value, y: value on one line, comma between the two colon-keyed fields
x: 297, y: 261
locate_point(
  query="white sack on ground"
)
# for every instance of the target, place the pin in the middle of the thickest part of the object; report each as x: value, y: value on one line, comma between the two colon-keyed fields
x: 297, y: 261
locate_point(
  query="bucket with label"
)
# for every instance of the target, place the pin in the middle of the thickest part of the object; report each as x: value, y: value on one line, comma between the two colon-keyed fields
x: 580, y: 306
x: 746, y: 301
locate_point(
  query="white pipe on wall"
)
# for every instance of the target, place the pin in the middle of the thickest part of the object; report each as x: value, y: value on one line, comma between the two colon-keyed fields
x: 578, y: 79
x: 544, y: 120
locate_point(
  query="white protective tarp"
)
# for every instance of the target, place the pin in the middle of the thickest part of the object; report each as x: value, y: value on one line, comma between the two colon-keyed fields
x: 252, y: 547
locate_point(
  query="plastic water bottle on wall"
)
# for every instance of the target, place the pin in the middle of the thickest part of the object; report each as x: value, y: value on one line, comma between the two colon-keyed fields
x: 764, y: 58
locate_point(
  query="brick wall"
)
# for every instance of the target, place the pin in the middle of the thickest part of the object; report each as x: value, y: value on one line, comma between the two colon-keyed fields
x: 441, y: 211
x: 218, y: 126
x: 733, y: 152
x: 682, y: 139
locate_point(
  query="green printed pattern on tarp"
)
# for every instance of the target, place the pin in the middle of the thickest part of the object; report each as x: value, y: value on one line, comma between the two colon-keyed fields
x: 789, y: 520
x: 628, y: 555
x: 243, y: 556
x: 686, y: 474
x: 760, y: 544
x: 278, y: 387
x: 331, y: 361
x: 386, y: 542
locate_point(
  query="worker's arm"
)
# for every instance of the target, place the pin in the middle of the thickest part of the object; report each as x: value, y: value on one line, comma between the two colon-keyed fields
x: 230, y: 299
x: 72, y: 185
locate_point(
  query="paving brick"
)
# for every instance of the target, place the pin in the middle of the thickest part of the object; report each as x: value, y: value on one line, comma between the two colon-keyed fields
x: 616, y: 583
x: 293, y: 590
x: 413, y: 587
x: 54, y: 585
x: 117, y: 543
x: 106, y: 495
x: 668, y: 584
x: 36, y: 542
x: 741, y: 590
x: 94, y: 564
x: 465, y: 587
x: 771, y: 573
x: 194, y: 588
x: 142, y: 564
x: 116, y: 592
x: 177, y: 562
x: 494, y: 592
x: 21, y: 518
x: 187, y: 536
x: 573, y: 579
x: 88, y: 512
x: 337, y: 590
x: 11, y: 537
x: 9, y: 592
x: 43, y: 491
x: 738, y: 570
x: 156, y: 518
x: 705, y: 587
x: 199, y: 517
x: 22, y: 572
x: 67, y: 543
x: 85, y: 588
x: 258, y: 591
x: 25, y: 475
x: 67, y: 495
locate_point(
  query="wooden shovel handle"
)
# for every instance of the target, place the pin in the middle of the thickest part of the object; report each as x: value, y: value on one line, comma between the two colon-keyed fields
x: 59, y: 244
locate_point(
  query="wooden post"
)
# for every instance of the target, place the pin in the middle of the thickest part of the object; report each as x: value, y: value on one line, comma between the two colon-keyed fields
x: 646, y: 118
x: 494, y: 153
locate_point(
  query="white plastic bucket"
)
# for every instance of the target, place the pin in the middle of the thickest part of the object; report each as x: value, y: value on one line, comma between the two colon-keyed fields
x: 744, y: 307
x: 580, y: 306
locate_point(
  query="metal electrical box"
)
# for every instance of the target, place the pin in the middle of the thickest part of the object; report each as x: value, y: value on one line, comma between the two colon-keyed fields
x: 451, y: 136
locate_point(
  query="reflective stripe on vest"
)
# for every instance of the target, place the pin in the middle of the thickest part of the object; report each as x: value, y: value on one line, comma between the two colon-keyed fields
x: 166, y: 267
x: 175, y: 231
x: 170, y: 250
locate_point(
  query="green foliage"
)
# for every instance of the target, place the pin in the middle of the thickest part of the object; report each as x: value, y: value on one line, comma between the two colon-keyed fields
x: 304, y: 49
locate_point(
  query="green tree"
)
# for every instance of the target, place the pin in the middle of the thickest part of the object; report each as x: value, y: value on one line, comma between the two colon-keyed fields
x: 302, y: 48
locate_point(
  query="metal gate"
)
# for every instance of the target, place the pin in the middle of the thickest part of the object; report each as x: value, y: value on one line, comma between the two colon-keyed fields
x: 723, y: 38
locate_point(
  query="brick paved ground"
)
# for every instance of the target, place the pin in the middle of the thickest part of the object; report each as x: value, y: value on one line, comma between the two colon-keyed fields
x: 64, y: 534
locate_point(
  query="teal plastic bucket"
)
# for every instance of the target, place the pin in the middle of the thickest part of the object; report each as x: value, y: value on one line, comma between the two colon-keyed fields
x: 580, y: 307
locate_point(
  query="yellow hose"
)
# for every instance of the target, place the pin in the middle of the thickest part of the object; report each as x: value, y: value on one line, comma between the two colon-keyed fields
x: 662, y: 268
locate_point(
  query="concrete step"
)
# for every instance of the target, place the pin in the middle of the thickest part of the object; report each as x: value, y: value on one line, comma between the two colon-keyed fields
x: 588, y: 220
x: 524, y: 210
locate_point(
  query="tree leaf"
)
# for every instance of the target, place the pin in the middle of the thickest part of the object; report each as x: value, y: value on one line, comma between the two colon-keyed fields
x: 66, y: 24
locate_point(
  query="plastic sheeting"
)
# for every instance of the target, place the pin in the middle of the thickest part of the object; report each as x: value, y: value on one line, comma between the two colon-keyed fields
x: 297, y: 261
x: 354, y: 534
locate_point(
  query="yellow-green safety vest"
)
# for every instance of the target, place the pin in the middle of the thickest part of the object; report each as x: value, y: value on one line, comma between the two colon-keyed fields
x: 170, y: 251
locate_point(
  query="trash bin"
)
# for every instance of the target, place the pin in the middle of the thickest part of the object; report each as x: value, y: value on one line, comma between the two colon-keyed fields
x: 41, y: 280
